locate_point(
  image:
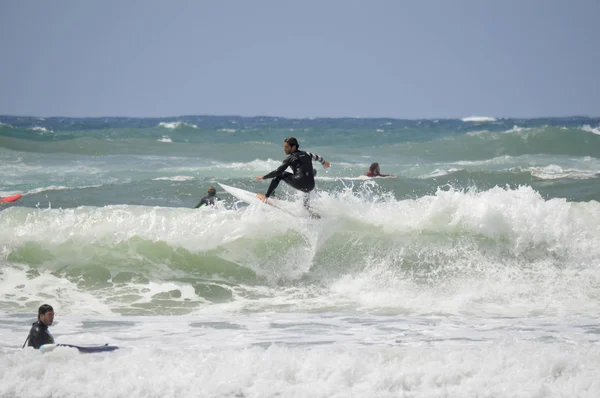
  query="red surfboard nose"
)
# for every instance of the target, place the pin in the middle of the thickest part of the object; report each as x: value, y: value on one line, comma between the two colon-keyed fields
x: 10, y: 198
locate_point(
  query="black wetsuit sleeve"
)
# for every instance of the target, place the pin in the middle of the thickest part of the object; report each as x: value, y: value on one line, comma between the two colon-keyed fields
x: 316, y: 157
x: 39, y: 336
x: 284, y: 165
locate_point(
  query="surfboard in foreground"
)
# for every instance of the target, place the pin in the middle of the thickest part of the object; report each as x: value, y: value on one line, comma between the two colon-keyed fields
x: 250, y: 197
x: 12, y: 198
x: 83, y: 349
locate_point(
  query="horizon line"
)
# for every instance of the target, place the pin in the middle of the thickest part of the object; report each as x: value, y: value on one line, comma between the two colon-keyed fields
x: 473, y: 118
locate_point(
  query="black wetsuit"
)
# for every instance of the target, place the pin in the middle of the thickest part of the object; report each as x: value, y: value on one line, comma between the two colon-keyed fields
x: 39, y: 335
x: 207, y: 201
x: 303, y: 176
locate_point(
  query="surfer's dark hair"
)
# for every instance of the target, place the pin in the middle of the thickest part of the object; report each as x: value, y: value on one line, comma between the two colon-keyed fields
x: 374, y: 166
x: 292, y: 141
x: 44, y: 308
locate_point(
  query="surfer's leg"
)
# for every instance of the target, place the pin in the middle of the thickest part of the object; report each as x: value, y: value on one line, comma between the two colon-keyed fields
x: 302, y: 185
x: 306, y: 200
x: 305, y: 186
x: 275, y: 182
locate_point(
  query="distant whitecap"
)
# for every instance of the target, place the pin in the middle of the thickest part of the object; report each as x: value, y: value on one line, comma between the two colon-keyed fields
x: 590, y: 129
x: 478, y: 119
x: 176, y: 125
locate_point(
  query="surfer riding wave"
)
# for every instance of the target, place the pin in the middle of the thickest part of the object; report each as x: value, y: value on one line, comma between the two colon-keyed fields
x: 302, y: 177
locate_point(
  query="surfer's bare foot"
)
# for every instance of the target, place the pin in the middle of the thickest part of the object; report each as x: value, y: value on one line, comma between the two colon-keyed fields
x: 261, y: 197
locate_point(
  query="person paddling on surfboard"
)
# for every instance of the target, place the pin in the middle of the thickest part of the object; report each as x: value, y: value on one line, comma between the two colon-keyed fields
x: 39, y: 334
x: 302, y: 177
x: 374, y: 171
x: 208, y: 200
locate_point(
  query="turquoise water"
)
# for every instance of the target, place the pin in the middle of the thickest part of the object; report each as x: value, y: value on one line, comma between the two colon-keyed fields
x: 484, y: 248
x: 168, y: 163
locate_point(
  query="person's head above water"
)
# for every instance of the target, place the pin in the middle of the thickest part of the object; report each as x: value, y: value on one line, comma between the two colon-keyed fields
x: 290, y: 145
x: 46, y: 314
x: 212, y: 191
x: 374, y: 167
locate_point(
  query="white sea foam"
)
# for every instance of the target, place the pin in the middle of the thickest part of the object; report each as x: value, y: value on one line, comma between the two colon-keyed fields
x: 312, y: 356
x: 478, y: 133
x: 590, y: 129
x: 516, y: 129
x: 42, y: 129
x: 348, y: 178
x: 562, y: 167
x: 478, y: 119
x: 255, y: 165
x: 57, y: 188
x: 175, y: 125
x: 25, y: 292
x: 224, y: 169
x: 175, y: 178
x: 48, y: 188
x: 497, y: 160
x: 487, y: 134
x: 440, y: 173
x: 553, y: 172
x: 165, y: 138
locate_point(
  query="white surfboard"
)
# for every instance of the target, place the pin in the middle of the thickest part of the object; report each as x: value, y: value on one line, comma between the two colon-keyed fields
x: 251, y: 198
x: 291, y: 208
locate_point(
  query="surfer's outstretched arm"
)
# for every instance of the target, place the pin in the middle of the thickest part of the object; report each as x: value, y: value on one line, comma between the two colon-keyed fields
x: 319, y: 159
x: 278, y: 171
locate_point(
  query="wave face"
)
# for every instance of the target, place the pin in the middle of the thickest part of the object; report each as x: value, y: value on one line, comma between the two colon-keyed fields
x: 454, y: 251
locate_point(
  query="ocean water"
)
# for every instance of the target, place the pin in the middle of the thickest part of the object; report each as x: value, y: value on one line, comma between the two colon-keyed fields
x: 475, y: 272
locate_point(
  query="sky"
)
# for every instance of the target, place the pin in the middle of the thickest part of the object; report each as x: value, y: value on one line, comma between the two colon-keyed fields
x: 398, y: 58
